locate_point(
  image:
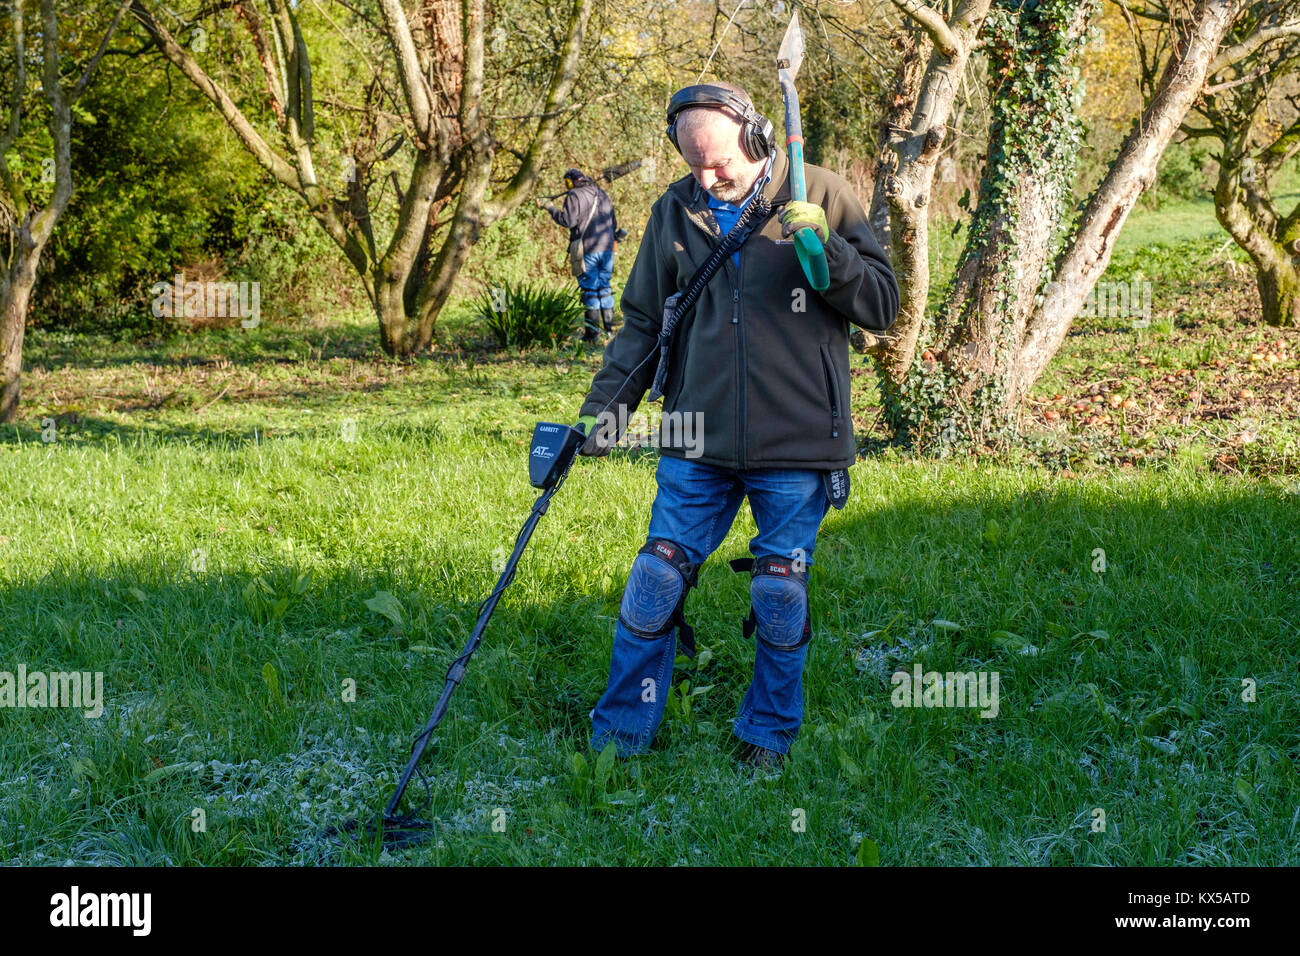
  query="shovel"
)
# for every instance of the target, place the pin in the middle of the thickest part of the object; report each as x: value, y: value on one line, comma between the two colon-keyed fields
x: 806, y: 244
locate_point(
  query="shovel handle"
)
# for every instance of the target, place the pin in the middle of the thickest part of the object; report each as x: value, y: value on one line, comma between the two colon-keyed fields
x: 793, y: 136
x: 809, y: 249
x: 812, y: 256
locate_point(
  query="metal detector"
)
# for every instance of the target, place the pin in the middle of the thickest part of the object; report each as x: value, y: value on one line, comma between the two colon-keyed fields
x: 549, y: 459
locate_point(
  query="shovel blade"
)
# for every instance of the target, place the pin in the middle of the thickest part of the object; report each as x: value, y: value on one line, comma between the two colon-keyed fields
x: 790, y: 56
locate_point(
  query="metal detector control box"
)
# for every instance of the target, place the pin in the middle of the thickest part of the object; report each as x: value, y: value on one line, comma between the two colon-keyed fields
x: 552, y: 452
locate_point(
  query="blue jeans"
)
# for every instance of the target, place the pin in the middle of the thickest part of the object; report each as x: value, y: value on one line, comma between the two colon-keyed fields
x: 695, y: 507
x: 594, y: 282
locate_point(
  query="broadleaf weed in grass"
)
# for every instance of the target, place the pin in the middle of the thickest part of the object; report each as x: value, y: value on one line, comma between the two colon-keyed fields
x: 591, y: 782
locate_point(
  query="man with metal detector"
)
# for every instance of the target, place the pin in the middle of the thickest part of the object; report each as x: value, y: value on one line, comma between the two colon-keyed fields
x: 738, y: 311
x: 588, y: 214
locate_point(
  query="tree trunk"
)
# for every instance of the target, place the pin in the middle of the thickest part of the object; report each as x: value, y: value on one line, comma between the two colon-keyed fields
x: 899, y: 105
x: 916, y: 137
x: 1279, y: 294
x: 1089, y: 250
x: 464, y: 233
x: 442, y: 22
x: 959, y: 386
x: 1276, y: 276
x: 15, y: 293
x: 14, y: 296
x: 29, y: 236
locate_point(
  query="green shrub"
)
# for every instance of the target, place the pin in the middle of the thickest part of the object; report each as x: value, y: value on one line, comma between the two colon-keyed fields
x: 528, y: 314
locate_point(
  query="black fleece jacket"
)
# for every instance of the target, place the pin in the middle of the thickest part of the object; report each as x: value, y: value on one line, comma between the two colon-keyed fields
x: 762, y: 361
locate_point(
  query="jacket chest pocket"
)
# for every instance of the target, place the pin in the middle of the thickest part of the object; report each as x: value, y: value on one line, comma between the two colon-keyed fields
x: 832, y: 391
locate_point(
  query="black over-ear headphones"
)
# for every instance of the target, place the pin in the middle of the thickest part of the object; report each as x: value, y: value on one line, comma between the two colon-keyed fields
x: 757, y: 136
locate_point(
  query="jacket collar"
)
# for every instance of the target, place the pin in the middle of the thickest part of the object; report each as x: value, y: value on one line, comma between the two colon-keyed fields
x: 777, y: 190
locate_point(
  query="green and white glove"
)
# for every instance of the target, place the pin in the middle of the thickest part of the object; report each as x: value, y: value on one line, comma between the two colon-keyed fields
x: 798, y: 215
x: 596, y: 446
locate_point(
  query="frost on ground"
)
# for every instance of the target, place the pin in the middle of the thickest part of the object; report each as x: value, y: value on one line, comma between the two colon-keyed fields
x: 880, y: 660
x: 286, y: 800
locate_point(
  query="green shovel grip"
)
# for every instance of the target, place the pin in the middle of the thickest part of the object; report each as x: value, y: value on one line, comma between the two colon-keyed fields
x: 812, y: 257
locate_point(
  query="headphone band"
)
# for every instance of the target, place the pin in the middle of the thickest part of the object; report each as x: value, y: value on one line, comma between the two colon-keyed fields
x: 706, y: 94
x: 758, y: 136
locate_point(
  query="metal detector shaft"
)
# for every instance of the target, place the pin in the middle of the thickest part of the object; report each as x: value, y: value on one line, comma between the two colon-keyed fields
x: 561, y: 460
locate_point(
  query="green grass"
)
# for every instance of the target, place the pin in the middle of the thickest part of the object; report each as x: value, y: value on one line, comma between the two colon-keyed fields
x: 1173, y: 223
x: 219, y: 577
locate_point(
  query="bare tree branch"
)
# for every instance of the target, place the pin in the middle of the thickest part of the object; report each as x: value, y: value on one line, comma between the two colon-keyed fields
x: 99, y: 53
x: 1239, y: 51
x: 414, y: 85
x: 932, y: 22
x: 566, y: 71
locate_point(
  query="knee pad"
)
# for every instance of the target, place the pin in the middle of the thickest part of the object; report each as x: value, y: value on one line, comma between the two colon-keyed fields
x: 778, y: 596
x: 655, y: 596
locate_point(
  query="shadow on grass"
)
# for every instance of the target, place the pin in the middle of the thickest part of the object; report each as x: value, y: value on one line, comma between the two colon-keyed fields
x: 278, y: 344
x: 257, y: 669
x: 88, y: 431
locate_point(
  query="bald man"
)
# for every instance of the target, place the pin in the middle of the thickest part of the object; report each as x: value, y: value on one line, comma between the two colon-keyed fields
x: 756, y: 393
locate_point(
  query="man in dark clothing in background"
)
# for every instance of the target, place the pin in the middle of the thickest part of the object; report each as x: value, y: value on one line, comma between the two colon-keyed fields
x: 588, y: 214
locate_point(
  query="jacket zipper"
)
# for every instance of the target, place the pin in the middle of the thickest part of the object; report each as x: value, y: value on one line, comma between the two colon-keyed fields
x: 831, y: 394
x: 738, y: 272
x: 740, y: 357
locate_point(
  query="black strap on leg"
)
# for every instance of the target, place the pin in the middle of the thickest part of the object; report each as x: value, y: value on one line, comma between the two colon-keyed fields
x: 675, y: 555
x: 745, y: 566
x: 776, y: 566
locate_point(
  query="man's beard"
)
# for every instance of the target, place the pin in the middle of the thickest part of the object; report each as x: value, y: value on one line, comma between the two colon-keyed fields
x: 731, y: 192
